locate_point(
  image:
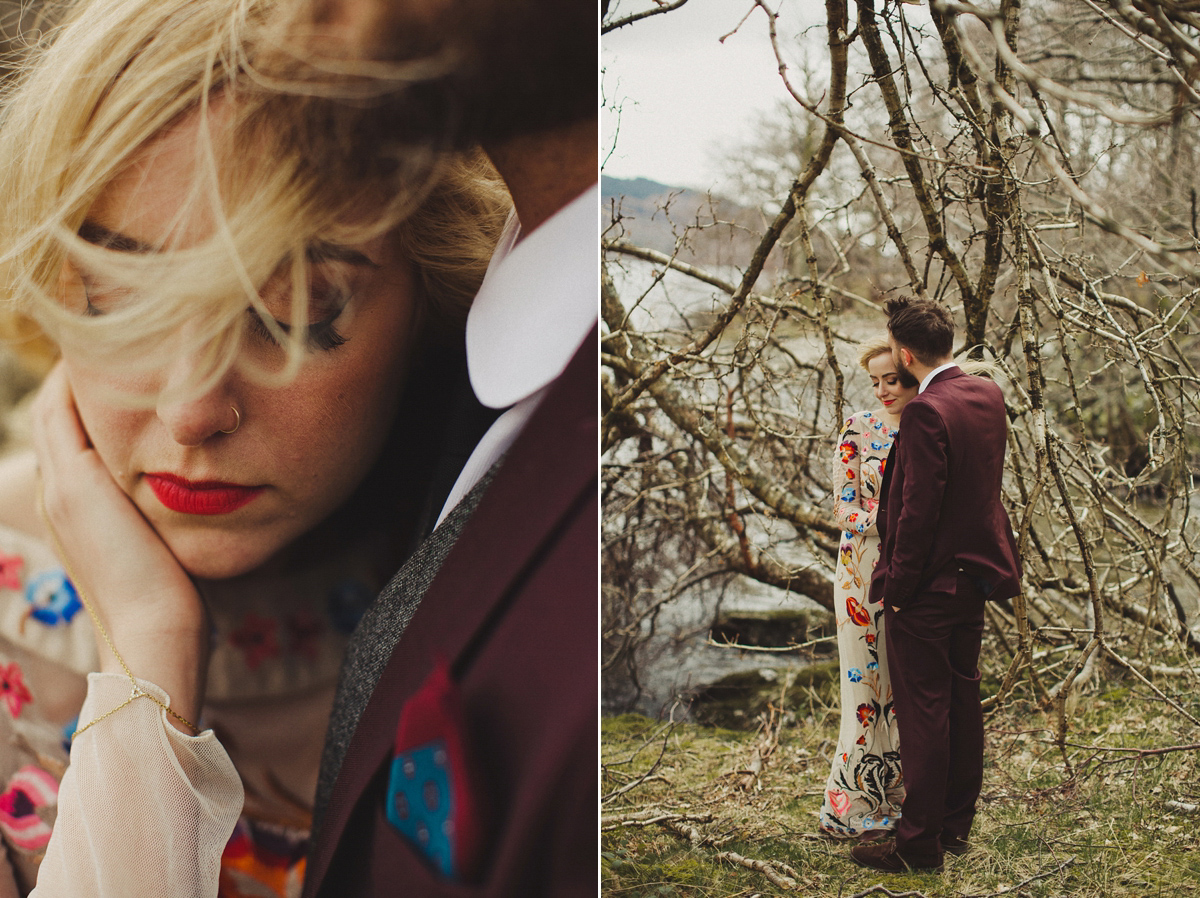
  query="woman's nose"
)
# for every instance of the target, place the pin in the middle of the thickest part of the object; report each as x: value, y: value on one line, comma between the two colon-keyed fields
x: 190, y: 422
x: 191, y: 418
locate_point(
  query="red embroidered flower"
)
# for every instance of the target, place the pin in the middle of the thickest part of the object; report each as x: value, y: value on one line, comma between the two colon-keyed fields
x: 13, y: 689
x: 870, y: 638
x: 10, y: 571
x: 257, y: 639
x: 865, y: 714
x: 856, y: 612
x: 849, y: 450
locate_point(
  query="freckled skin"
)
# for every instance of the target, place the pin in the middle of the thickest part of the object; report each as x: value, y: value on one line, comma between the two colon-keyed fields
x: 308, y: 444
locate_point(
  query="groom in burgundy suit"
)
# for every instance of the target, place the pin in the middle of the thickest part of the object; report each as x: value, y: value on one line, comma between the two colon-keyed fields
x: 947, y: 547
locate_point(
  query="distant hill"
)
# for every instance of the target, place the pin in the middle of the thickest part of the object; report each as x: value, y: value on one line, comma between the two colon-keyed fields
x: 638, y: 188
x: 654, y: 215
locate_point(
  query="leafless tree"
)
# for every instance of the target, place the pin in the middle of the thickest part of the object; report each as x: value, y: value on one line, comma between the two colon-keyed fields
x: 1032, y: 166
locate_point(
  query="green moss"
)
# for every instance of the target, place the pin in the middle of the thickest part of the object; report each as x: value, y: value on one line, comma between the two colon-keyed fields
x: 738, y: 701
x: 624, y: 725
x: 1112, y: 817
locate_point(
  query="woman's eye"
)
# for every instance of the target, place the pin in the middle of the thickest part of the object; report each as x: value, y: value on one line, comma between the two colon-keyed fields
x: 322, y: 335
x: 100, y: 296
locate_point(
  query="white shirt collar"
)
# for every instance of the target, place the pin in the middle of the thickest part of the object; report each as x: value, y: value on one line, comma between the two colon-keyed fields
x: 537, y: 303
x: 934, y: 373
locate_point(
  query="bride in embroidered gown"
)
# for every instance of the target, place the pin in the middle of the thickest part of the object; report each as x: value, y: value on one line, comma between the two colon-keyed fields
x: 865, y: 790
x: 257, y: 359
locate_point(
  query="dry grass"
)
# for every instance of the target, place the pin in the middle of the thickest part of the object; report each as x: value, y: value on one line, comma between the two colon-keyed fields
x: 1117, y: 823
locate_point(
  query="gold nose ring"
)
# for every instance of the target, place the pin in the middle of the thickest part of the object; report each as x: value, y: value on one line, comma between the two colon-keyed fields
x: 237, y: 423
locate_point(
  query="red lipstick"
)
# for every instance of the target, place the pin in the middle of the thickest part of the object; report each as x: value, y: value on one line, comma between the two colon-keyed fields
x: 202, y: 496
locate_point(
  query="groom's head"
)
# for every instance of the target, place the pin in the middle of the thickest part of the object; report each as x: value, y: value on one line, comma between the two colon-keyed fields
x: 473, y: 70
x: 920, y: 331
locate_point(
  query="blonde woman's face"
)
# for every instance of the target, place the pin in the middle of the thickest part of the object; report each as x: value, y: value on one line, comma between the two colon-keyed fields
x: 885, y: 383
x: 225, y: 503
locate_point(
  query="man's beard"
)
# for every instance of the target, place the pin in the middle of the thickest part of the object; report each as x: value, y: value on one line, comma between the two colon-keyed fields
x: 907, y: 378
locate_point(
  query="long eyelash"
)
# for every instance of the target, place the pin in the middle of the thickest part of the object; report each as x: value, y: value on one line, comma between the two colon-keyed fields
x: 322, y: 335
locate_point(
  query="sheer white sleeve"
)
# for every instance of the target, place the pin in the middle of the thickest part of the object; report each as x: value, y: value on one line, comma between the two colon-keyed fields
x: 143, y: 809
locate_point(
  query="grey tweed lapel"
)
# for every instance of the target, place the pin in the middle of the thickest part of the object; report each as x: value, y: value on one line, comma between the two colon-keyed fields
x: 377, y: 634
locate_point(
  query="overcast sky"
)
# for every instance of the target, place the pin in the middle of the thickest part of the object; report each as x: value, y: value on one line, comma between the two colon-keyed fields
x: 683, y: 95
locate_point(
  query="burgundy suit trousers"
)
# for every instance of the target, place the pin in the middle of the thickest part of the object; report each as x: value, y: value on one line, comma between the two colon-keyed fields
x: 933, y: 659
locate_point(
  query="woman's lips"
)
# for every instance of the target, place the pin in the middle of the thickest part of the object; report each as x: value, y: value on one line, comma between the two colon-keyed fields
x: 200, y: 497
x: 888, y: 401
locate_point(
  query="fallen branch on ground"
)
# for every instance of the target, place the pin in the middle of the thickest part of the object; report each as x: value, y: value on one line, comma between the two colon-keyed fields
x: 1008, y: 891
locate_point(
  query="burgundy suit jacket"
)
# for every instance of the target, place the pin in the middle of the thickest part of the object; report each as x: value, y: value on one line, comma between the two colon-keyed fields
x: 940, y: 511
x: 513, y: 611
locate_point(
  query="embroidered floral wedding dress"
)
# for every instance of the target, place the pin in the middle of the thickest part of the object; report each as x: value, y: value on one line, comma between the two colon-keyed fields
x: 864, y: 790
x: 275, y: 656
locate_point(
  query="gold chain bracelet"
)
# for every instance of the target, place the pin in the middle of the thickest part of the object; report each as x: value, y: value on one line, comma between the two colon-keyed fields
x: 137, y: 691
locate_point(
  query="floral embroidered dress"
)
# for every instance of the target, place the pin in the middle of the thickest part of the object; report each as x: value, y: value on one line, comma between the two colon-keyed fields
x: 864, y: 790
x: 275, y: 658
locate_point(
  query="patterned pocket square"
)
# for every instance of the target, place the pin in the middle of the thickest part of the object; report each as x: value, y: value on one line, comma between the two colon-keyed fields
x: 429, y: 798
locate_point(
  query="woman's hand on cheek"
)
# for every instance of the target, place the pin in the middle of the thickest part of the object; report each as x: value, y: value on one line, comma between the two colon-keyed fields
x: 147, y: 603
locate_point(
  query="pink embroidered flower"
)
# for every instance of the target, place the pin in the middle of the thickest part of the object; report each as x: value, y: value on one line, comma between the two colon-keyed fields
x: 29, y: 789
x: 256, y: 637
x: 13, y: 689
x: 839, y: 801
x: 10, y: 571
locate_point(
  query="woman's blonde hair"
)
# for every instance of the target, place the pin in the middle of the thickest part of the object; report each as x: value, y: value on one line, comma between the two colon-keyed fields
x: 871, y: 348
x: 100, y: 80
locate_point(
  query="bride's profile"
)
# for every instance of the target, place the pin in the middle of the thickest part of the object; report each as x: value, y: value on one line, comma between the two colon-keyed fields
x: 240, y: 436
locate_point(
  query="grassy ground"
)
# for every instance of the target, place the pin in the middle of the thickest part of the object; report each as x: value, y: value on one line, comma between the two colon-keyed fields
x: 685, y: 813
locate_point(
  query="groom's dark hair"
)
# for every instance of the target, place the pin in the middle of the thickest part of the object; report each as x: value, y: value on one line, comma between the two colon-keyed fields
x: 923, y: 327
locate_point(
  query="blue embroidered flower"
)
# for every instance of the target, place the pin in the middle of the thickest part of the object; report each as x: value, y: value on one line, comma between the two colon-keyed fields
x: 849, y: 493
x: 346, y: 604
x: 876, y: 445
x: 53, y: 598
x: 872, y: 665
x: 855, y: 675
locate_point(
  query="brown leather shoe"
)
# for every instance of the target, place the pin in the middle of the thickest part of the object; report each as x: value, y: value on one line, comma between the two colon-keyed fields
x: 954, y: 845
x: 884, y: 856
x: 866, y: 837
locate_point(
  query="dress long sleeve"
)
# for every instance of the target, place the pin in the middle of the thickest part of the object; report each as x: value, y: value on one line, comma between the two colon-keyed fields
x: 853, y: 512
x: 143, y: 809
